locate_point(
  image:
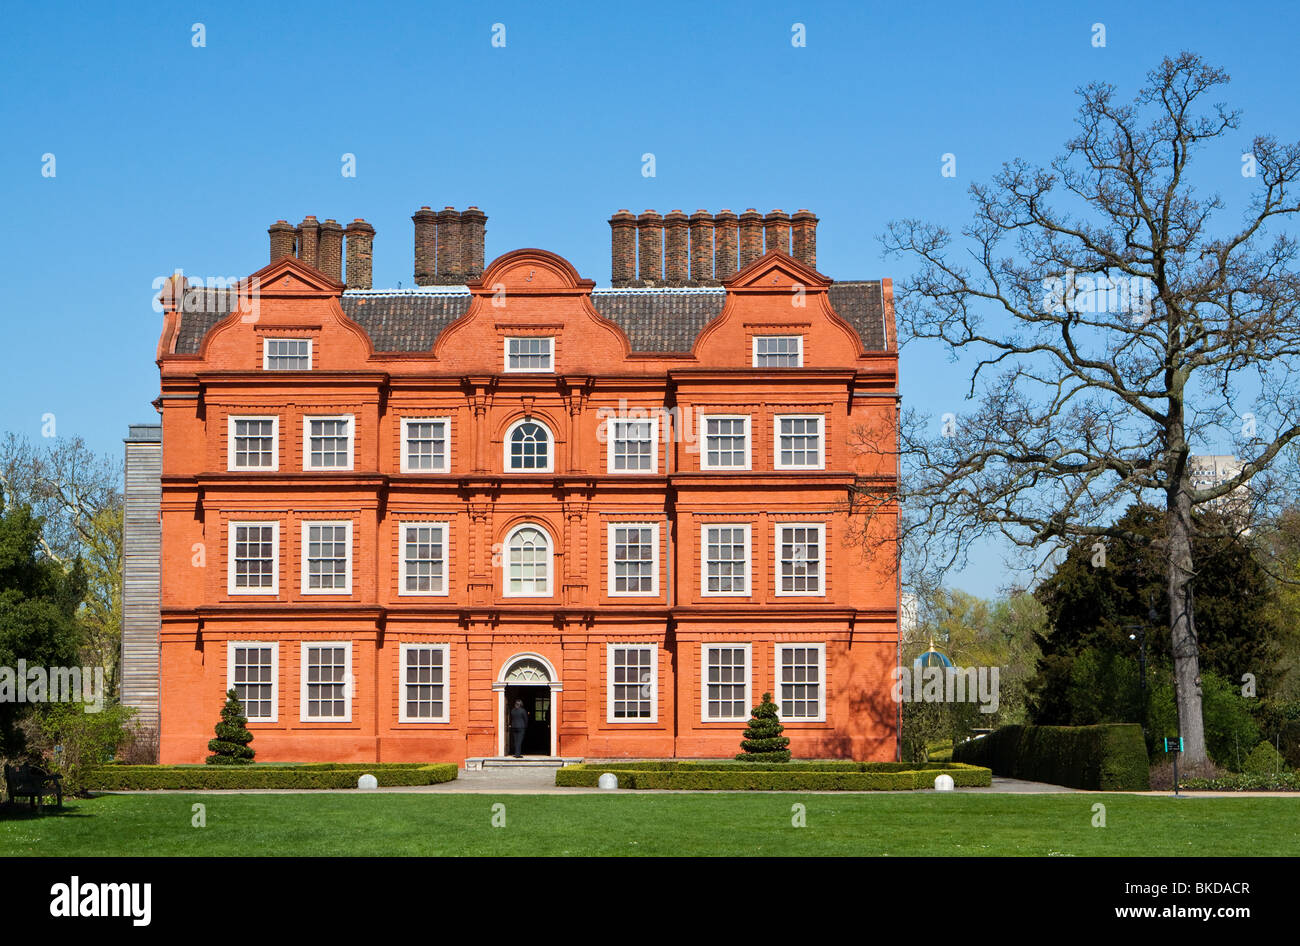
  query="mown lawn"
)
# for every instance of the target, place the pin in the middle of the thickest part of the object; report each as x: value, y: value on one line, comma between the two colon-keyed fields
x: 687, y: 824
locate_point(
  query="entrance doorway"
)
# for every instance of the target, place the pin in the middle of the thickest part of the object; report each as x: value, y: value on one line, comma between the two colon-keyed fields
x: 537, y: 702
x: 531, y: 679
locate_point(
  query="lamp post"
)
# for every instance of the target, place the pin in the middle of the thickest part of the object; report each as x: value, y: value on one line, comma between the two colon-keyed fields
x: 1138, y: 632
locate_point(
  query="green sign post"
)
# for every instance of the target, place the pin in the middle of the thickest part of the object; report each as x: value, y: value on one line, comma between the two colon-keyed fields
x: 1176, y: 747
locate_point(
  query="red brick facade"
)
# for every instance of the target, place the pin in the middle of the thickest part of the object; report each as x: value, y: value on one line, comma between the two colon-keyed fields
x: 417, y: 594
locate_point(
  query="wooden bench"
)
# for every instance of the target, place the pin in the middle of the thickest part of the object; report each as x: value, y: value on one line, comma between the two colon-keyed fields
x: 30, y: 781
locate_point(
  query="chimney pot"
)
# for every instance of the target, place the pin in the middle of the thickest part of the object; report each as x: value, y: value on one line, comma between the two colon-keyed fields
x: 360, y: 249
x: 702, y: 248
x: 473, y: 223
x: 804, y: 225
x: 725, y: 242
x: 283, y: 239
x: 777, y: 226
x: 309, y: 241
x: 676, y: 250
x: 450, y: 264
x: 650, y: 237
x: 751, y: 236
x: 330, y: 249
x: 426, y: 246
x: 622, y: 270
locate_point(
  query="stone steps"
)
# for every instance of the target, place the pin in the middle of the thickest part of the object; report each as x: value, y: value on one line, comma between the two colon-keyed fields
x: 510, y: 762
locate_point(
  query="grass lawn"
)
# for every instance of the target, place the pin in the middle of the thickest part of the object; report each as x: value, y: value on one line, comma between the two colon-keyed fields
x: 679, y: 824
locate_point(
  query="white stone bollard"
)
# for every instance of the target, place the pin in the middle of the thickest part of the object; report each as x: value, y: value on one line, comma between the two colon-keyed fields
x: 367, y: 781
x: 943, y: 783
x: 608, y: 780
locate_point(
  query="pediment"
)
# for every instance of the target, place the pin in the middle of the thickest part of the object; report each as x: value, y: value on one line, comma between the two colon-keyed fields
x: 531, y: 271
x: 289, y: 276
x: 776, y: 272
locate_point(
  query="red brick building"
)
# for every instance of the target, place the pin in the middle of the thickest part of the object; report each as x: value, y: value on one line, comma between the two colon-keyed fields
x: 387, y: 514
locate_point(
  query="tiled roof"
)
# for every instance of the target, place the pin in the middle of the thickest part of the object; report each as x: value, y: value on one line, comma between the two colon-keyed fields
x: 405, y: 321
x: 654, y: 320
x: 200, y: 310
x: 660, y: 320
x: 862, y: 305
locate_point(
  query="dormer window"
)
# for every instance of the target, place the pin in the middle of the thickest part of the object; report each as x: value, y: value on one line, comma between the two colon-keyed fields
x: 530, y: 354
x: 286, y: 354
x: 778, y: 351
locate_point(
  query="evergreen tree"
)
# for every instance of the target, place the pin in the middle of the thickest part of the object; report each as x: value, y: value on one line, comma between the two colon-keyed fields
x: 231, y: 745
x: 1095, y: 601
x: 763, y: 741
x: 38, y: 607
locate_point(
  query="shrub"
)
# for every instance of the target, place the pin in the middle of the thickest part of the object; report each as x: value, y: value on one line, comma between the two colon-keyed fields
x: 140, y: 746
x: 1289, y: 737
x: 763, y: 741
x: 1162, y: 774
x: 1264, y: 759
x: 1230, y: 730
x: 72, y: 741
x: 124, y: 778
x: 1107, y: 757
x: 1245, y: 782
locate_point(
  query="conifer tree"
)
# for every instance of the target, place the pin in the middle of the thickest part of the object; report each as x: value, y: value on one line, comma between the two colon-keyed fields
x: 231, y: 745
x: 763, y: 741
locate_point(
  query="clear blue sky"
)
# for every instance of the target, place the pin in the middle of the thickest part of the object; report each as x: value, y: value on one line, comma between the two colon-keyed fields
x: 168, y: 155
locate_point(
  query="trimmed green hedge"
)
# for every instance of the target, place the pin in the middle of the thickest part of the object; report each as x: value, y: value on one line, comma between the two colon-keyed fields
x: 120, y: 778
x: 1107, y: 757
x: 773, y: 777
x: 1245, y: 782
x: 832, y: 765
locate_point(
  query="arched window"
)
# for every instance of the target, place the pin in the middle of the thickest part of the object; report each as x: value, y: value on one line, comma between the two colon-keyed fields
x: 528, y: 447
x: 528, y: 562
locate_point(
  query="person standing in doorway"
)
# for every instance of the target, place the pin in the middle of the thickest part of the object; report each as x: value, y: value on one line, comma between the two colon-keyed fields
x: 518, y: 725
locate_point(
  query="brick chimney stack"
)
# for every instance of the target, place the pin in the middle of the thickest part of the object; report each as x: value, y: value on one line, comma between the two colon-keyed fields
x: 282, y: 239
x: 309, y: 241
x: 330, y: 250
x: 622, y: 267
x: 650, y: 234
x: 449, y: 247
x: 360, y: 247
x: 702, y: 248
x: 751, y: 236
x: 725, y: 241
x: 473, y: 230
x: 676, y: 250
x: 426, y: 246
x: 804, y: 223
x: 777, y: 227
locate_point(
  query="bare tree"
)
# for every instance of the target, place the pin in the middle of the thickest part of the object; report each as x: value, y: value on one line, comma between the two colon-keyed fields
x: 1113, y: 328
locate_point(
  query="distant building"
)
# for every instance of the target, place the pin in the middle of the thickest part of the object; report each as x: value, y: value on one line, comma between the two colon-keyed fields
x: 1211, y: 470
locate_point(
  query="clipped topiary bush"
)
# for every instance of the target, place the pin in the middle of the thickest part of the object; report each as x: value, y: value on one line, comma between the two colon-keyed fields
x: 231, y: 745
x: 763, y: 741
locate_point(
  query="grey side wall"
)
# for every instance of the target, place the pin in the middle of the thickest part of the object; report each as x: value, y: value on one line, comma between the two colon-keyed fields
x: 142, y: 543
